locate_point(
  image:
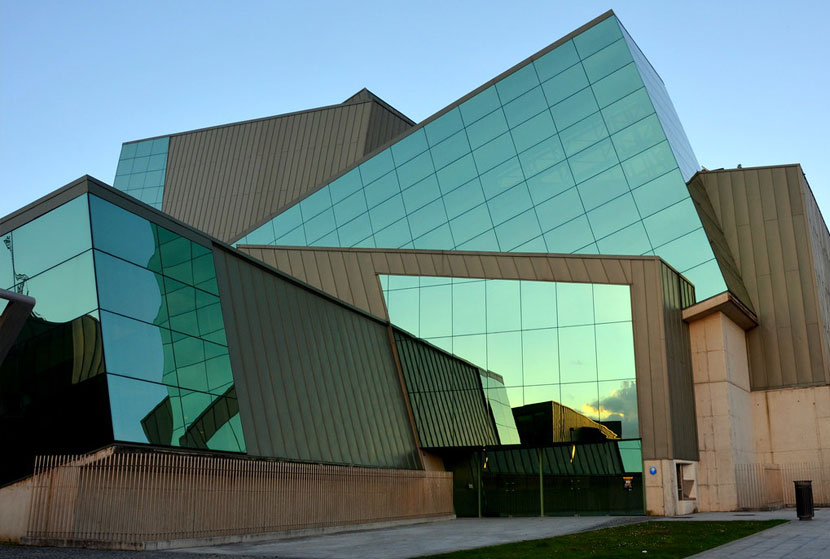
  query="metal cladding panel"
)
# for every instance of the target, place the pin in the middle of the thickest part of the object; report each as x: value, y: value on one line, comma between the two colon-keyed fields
x: 654, y: 351
x: 228, y: 179
x: 446, y: 396
x: 820, y: 244
x: 679, y: 364
x: 766, y: 220
x: 316, y: 380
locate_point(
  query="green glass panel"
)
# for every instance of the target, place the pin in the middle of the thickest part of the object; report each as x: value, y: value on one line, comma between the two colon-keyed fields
x: 575, y: 304
x: 404, y: 309
x: 471, y: 224
x: 574, y: 108
x: 503, y: 306
x: 565, y: 84
x: 472, y: 348
x: 194, y: 405
x: 439, y: 238
x: 618, y: 402
x: 612, y: 303
x: 421, y: 193
x: 427, y: 218
x: 451, y: 149
x: 388, y: 212
x: 533, y: 131
x: 138, y: 350
x: 593, y: 160
x: 504, y: 356
x: 485, y: 241
x: 686, y: 252
x: 517, y: 83
x: 468, y: 308
x: 533, y: 245
x: 540, y: 356
x: 550, y: 182
x: 229, y: 436
x: 145, y: 412
x: 510, y: 203
x: 63, y: 292
x: 613, y: 216
x: 638, y: 137
x: 52, y: 238
x: 444, y: 126
x: 529, y: 104
x: 463, y: 198
x: 610, y: 58
x: 557, y: 60
x: 672, y: 222
x: 629, y: 240
x: 141, y: 164
x: 581, y: 397
x: 457, y: 173
x: 501, y: 178
x: 538, y: 304
x: 287, y: 221
x: 560, y: 209
x: 345, y: 186
x: 491, y: 154
x: 592, y: 40
x: 436, y: 311
x: 518, y: 230
x: 543, y: 155
x: 128, y: 151
x: 376, y: 167
x: 349, y: 208
x: 414, y: 170
x: 409, y: 147
x: 706, y: 278
x: 617, y: 85
x: 628, y: 110
x: 6, y: 267
x: 486, y: 128
x: 603, y: 187
x: 583, y: 134
x: 660, y: 193
x: 536, y: 394
x: 355, y: 231
x: 320, y: 225
x: 615, y: 351
x: 632, y: 456
x: 130, y: 290
x: 395, y: 235
x: 482, y: 104
x: 569, y: 237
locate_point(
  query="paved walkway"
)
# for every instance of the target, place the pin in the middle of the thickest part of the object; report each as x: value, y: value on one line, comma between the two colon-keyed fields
x: 803, y: 539
x: 416, y: 540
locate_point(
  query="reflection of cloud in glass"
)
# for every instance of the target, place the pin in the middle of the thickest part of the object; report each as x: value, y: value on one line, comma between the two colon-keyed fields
x: 617, y: 404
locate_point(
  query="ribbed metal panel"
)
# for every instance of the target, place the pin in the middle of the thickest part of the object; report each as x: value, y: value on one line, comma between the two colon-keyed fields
x: 764, y: 215
x: 679, y: 365
x: 446, y: 396
x: 820, y: 244
x: 316, y: 381
x: 351, y: 275
x: 228, y: 179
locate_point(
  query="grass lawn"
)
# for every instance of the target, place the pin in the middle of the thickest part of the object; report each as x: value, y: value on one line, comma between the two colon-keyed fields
x: 652, y: 540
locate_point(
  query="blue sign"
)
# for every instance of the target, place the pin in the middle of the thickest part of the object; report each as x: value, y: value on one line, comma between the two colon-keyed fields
x: 652, y: 470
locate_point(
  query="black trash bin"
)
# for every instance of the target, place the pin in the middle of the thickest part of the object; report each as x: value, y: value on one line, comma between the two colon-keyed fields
x: 804, y: 499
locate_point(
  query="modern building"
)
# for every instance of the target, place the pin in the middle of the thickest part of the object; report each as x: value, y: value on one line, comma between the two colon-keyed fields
x: 537, y: 289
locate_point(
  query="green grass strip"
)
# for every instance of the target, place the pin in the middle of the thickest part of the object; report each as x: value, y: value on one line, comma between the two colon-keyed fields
x: 652, y: 540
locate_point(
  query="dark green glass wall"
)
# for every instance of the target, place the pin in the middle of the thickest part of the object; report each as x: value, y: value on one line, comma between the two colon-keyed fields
x: 141, y: 170
x: 566, y: 154
x: 169, y: 372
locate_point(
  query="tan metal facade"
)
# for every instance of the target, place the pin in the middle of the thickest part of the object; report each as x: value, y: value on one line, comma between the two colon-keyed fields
x: 664, y: 377
x: 773, y: 231
x: 227, y: 180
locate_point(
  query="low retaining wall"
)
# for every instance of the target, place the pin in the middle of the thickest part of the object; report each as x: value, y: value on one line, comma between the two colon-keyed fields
x: 135, y: 500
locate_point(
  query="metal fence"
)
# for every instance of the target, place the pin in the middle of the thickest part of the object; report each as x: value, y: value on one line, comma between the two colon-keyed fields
x: 135, y: 497
x: 763, y: 486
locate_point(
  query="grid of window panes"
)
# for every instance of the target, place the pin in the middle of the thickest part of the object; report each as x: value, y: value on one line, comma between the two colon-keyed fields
x: 564, y: 155
x: 567, y: 343
x: 141, y: 169
x: 169, y: 372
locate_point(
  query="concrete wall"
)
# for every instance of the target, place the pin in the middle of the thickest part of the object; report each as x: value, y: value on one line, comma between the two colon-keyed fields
x: 15, y: 501
x: 724, y: 408
x: 792, y: 425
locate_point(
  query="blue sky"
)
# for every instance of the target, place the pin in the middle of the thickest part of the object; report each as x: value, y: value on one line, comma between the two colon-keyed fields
x: 750, y: 80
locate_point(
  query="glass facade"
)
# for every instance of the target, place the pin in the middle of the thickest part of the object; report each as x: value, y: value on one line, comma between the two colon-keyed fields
x: 571, y: 153
x: 127, y: 312
x: 558, y: 358
x: 141, y: 169
x: 169, y: 372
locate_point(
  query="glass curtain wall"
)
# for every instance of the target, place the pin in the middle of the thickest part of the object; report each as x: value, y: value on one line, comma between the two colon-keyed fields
x: 169, y: 373
x: 558, y: 357
x: 141, y: 169
x: 566, y: 154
